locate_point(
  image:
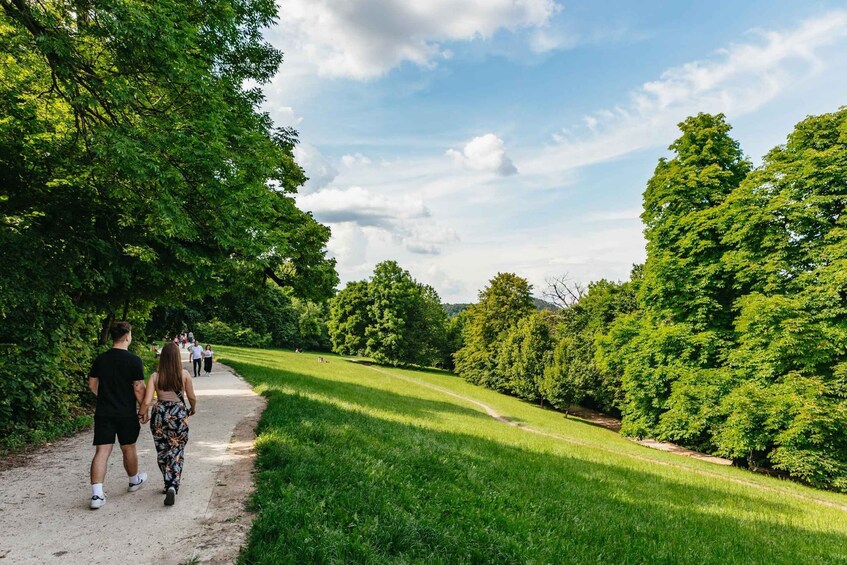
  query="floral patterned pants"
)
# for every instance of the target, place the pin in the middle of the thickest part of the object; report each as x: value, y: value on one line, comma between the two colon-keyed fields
x: 169, y: 426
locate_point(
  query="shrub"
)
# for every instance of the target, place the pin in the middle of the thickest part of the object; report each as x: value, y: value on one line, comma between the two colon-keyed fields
x: 219, y: 333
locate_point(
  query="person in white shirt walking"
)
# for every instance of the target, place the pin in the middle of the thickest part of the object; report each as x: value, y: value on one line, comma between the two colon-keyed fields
x: 197, y: 358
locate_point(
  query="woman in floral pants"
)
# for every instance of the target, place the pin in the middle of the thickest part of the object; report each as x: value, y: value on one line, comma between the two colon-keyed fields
x: 169, y: 421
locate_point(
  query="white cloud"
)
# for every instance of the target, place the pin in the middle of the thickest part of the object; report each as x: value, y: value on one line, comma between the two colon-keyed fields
x: 445, y: 285
x: 422, y: 248
x: 318, y: 168
x: 428, y: 239
x: 539, y: 253
x: 283, y: 115
x: 357, y: 159
x: 364, y: 39
x: 348, y: 245
x: 546, y: 40
x: 484, y: 153
x: 353, y: 211
x: 739, y: 80
x: 362, y: 207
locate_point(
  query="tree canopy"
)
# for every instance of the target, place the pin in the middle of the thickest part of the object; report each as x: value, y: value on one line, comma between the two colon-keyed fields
x: 505, y: 301
x: 136, y: 169
x: 392, y: 318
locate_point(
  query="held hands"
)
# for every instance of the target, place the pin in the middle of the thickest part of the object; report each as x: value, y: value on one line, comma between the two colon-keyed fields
x: 143, y: 415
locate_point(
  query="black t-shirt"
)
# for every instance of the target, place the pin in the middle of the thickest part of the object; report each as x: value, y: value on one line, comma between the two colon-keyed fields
x: 116, y: 370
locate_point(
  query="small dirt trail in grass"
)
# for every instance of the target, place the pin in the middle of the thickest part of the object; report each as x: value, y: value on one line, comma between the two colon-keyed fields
x: 529, y: 429
x: 44, y: 514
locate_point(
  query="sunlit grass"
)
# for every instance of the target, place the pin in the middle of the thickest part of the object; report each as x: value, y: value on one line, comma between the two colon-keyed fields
x: 360, y: 464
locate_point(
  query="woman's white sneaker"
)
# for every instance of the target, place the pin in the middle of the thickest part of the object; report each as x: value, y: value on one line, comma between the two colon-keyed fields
x: 97, y: 502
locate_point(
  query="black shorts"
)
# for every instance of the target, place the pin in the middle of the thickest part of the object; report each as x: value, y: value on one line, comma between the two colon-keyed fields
x: 107, y: 427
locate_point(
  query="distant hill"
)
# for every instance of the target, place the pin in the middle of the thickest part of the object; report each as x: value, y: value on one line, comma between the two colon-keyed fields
x: 454, y: 309
x: 544, y: 305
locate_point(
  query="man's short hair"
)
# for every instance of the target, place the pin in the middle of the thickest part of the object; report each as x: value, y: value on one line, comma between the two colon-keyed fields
x: 119, y: 330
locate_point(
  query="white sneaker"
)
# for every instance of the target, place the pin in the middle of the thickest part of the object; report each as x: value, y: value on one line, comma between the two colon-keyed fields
x: 142, y: 478
x: 97, y: 502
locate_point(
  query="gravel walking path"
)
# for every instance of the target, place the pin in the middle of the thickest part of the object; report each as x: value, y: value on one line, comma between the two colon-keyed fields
x: 44, y: 513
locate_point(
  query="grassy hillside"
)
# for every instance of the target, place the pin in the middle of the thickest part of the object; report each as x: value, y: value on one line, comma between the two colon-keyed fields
x: 368, y: 464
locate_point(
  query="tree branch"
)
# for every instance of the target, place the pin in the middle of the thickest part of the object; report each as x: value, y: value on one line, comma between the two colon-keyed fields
x: 563, y: 291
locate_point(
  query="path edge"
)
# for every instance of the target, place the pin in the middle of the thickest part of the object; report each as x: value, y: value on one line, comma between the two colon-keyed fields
x: 228, y: 520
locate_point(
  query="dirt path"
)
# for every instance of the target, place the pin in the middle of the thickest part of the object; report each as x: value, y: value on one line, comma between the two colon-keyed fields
x: 612, y: 423
x: 44, y: 514
x: 659, y: 445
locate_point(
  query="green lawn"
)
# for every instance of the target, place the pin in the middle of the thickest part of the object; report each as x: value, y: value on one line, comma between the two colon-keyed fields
x: 371, y: 464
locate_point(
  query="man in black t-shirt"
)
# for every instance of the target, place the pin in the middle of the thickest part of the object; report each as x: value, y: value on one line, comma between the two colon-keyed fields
x: 117, y: 379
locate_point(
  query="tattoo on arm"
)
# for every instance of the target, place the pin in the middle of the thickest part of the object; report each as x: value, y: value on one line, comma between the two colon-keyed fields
x: 139, y: 389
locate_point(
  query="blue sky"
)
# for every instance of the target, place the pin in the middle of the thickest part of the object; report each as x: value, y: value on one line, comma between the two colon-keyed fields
x: 467, y: 138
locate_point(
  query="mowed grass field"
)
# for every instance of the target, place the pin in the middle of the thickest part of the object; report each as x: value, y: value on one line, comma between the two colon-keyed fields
x: 372, y: 464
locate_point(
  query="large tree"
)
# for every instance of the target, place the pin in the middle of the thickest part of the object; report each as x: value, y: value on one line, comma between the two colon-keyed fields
x: 523, y: 354
x: 505, y: 301
x: 349, y: 318
x: 788, y: 230
x: 136, y: 168
x: 145, y: 167
x: 676, y: 344
x: 392, y: 318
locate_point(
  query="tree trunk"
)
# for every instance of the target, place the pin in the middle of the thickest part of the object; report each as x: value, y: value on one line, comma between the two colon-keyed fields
x: 104, y: 331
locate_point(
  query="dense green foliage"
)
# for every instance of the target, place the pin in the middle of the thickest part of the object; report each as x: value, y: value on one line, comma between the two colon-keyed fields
x: 788, y: 231
x: 541, y: 355
x: 135, y: 170
x: 522, y: 355
x: 215, y: 331
x: 361, y: 464
x: 349, y: 318
x: 501, y: 305
x: 736, y: 347
x: 684, y: 328
x: 392, y: 318
x: 267, y: 310
x: 729, y: 339
x: 574, y: 375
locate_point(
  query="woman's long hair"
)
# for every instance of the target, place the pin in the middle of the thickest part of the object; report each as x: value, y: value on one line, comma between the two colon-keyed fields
x: 170, y: 368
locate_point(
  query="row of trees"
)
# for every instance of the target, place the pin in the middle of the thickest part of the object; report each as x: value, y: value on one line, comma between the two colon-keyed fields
x: 136, y: 170
x: 738, y: 344
x: 542, y: 356
x: 731, y: 337
x: 264, y: 315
